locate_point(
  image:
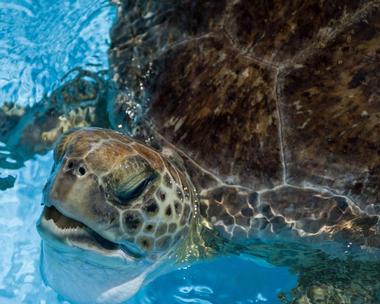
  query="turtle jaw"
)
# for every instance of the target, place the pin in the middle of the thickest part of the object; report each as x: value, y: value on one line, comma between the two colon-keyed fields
x: 83, y: 267
x: 69, y: 234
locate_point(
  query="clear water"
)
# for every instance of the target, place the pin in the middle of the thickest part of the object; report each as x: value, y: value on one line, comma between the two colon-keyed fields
x: 40, y: 41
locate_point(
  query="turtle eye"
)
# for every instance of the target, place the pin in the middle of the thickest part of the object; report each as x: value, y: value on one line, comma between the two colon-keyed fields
x: 133, y: 190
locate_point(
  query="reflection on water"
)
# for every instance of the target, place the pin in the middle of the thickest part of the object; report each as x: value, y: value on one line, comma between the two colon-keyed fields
x: 224, y: 280
x: 20, y: 206
x: 40, y: 40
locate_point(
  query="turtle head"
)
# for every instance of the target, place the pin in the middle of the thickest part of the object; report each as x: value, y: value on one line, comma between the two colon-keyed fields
x: 110, y: 194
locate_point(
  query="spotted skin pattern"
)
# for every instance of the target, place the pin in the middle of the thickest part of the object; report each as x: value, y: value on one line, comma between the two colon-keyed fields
x: 95, y: 170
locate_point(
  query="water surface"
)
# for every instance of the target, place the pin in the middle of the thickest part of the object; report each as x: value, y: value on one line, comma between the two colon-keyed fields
x: 41, y: 40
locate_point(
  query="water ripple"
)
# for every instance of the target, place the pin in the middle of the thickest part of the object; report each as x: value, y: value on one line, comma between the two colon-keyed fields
x: 41, y: 40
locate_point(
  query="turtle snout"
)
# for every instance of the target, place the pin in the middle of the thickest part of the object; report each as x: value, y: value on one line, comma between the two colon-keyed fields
x: 70, y: 178
x: 75, y: 167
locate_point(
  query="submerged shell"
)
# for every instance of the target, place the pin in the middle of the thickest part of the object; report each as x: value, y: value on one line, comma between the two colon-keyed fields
x: 262, y: 95
x: 277, y: 102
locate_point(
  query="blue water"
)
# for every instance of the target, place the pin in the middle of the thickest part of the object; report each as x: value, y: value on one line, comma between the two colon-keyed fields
x: 40, y: 41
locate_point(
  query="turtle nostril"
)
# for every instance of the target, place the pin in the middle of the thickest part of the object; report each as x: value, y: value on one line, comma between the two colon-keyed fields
x: 82, y: 171
x: 76, y: 167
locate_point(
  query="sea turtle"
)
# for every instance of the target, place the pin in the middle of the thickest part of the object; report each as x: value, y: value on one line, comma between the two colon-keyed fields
x: 264, y: 122
x: 119, y: 213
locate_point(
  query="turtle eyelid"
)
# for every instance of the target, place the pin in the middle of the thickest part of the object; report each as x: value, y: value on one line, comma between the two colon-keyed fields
x: 126, y: 195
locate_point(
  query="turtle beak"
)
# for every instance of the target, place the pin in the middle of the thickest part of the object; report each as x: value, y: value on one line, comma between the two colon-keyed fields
x: 59, y: 185
x: 71, y: 189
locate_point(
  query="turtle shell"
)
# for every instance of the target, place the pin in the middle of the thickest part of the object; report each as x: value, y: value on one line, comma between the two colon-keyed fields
x: 263, y: 93
x: 277, y: 104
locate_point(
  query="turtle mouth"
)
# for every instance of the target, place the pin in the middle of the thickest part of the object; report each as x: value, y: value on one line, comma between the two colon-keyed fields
x: 64, y: 231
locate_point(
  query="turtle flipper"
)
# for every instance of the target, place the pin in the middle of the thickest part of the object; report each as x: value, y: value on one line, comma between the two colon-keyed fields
x: 315, y: 234
x: 26, y: 131
x: 316, y: 218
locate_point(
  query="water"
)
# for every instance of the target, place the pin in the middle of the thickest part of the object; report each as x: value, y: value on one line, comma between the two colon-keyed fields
x: 40, y: 41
